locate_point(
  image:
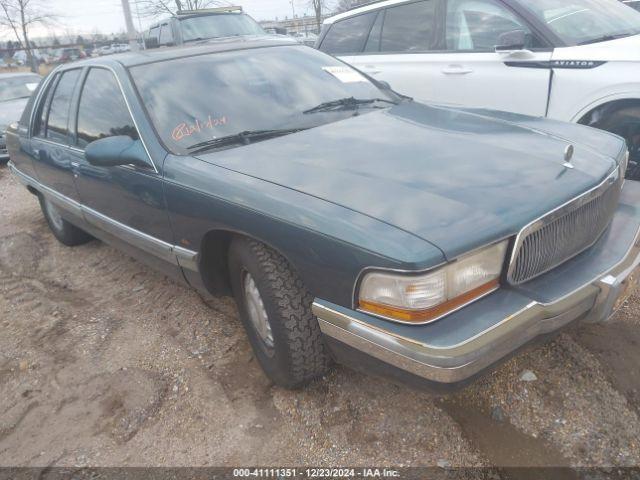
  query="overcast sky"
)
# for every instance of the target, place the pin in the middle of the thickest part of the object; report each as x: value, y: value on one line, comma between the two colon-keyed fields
x: 86, y: 16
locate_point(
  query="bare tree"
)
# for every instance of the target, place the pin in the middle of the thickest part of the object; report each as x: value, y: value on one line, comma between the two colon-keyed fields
x: 154, y: 8
x: 320, y: 7
x: 19, y: 16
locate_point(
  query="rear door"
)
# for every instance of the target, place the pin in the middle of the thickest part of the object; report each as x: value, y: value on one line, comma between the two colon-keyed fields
x: 125, y: 201
x: 400, y: 45
x: 50, y: 134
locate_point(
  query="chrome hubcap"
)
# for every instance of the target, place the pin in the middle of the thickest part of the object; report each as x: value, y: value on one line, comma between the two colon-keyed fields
x: 54, y: 215
x: 257, y: 312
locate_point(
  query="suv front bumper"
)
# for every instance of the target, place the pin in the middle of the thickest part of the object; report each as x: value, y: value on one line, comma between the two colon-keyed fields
x: 591, y: 287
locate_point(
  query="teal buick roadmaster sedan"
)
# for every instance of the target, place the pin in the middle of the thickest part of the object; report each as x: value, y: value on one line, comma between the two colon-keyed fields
x: 350, y: 223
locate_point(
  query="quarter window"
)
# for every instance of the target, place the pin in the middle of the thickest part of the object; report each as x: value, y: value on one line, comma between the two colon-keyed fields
x: 57, y: 124
x: 43, y: 108
x: 410, y: 28
x: 102, y: 112
x: 348, y: 36
x: 476, y: 25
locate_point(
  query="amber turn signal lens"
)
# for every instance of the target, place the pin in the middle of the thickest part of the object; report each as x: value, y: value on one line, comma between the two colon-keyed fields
x: 429, y: 314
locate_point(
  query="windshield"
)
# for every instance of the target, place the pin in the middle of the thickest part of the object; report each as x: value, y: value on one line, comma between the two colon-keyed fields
x: 18, y: 87
x: 579, y: 22
x: 195, y: 99
x: 222, y: 25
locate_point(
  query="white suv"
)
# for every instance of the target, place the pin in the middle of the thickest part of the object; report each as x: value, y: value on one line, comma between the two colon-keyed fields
x: 573, y: 60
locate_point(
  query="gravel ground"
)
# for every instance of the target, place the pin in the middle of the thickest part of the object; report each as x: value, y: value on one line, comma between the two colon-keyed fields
x: 104, y: 362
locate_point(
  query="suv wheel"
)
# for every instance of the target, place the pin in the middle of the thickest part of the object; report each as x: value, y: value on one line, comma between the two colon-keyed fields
x: 275, y: 309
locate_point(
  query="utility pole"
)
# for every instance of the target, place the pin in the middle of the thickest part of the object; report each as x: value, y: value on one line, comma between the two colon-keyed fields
x: 144, y: 46
x: 293, y: 10
x: 131, y: 31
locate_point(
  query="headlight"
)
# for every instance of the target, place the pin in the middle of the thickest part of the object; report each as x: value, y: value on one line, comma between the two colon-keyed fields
x: 427, y: 297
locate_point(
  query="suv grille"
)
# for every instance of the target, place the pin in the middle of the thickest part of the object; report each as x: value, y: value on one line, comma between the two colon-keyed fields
x: 565, y: 232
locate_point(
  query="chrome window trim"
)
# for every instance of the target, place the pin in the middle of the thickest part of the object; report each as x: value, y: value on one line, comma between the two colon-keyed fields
x: 126, y: 101
x: 36, y: 102
x: 560, y: 211
x: 45, y: 86
x: 173, y: 254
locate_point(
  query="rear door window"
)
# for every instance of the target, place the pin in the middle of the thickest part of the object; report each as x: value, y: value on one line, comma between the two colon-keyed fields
x: 166, y: 37
x: 102, y: 111
x: 373, y: 42
x: 410, y: 27
x: 348, y: 36
x: 57, y: 119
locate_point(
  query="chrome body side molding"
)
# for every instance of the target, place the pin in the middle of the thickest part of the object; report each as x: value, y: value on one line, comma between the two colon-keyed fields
x: 173, y: 254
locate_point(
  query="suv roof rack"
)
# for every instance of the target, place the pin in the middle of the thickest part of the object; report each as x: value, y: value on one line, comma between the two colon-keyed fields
x: 211, y: 10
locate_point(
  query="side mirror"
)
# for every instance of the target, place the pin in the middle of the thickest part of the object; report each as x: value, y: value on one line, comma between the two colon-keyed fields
x: 509, y: 41
x: 119, y: 150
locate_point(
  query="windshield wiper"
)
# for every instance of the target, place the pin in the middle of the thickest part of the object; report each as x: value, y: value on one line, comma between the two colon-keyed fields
x: 606, y: 38
x: 348, y: 103
x: 242, y: 138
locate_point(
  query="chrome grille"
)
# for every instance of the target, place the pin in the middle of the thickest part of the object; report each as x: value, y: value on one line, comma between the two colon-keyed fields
x: 565, y: 232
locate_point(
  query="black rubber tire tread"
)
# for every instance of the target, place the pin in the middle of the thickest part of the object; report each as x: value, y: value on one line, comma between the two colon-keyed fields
x: 69, y: 235
x: 300, y: 351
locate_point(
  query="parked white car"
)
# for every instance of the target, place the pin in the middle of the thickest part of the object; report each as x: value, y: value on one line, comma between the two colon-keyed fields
x: 572, y: 60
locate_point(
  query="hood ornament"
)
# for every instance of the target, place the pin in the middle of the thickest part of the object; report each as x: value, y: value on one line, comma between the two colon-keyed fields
x: 568, y: 155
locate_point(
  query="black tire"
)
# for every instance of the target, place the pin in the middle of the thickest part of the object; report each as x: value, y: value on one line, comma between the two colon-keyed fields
x: 66, y: 233
x: 623, y: 120
x: 297, y: 353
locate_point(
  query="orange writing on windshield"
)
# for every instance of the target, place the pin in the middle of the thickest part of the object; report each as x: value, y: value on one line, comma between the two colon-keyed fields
x: 187, y: 129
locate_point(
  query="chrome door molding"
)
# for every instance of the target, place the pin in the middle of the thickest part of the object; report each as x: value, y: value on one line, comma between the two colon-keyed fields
x: 173, y: 254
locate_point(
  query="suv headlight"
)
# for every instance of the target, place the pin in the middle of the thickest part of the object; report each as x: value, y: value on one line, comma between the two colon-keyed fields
x: 427, y: 297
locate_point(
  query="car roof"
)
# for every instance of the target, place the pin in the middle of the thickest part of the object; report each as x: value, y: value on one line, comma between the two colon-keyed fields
x: 184, y: 16
x: 363, y: 9
x: 204, y: 47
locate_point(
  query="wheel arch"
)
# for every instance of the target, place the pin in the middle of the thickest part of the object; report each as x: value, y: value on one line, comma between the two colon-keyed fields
x: 213, y: 259
x: 617, y: 101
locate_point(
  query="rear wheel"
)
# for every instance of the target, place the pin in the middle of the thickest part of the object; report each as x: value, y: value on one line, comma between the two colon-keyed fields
x: 275, y: 308
x: 65, y: 232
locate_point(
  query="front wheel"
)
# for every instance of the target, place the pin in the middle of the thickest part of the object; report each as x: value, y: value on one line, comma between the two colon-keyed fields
x: 66, y: 233
x: 621, y: 118
x: 275, y: 308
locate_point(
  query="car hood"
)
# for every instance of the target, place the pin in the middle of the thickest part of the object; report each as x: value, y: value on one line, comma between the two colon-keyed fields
x: 11, y: 111
x: 453, y: 178
x: 625, y: 49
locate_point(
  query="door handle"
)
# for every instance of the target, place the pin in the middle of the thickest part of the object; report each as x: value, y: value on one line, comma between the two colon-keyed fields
x: 456, y: 70
x: 75, y: 165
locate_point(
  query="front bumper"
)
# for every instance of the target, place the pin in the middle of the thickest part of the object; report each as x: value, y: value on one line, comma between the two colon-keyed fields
x: 589, y: 287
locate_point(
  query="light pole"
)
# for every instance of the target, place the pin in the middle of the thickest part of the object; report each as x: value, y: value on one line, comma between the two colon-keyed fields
x: 131, y: 31
x: 293, y: 10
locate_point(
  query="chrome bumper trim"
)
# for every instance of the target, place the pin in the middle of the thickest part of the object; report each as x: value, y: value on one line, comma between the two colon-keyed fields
x: 595, y: 301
